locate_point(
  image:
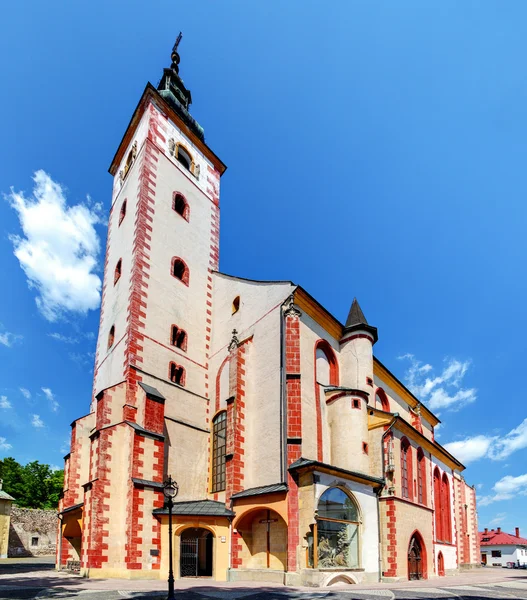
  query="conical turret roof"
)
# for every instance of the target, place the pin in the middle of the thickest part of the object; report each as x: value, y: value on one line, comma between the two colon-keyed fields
x: 356, y: 320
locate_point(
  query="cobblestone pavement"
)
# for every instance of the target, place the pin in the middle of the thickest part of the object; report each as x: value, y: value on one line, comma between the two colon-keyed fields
x: 36, y: 579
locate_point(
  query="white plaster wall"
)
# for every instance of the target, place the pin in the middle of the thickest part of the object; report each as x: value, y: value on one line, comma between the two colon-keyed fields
x: 449, y: 555
x: 169, y: 300
x: 259, y: 316
x: 109, y: 367
x: 310, y: 333
x: 367, y: 502
x: 508, y: 554
x: 357, y: 363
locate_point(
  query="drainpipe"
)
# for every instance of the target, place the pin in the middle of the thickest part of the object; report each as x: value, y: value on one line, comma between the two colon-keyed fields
x: 283, y: 457
x: 390, y: 427
x: 60, y: 518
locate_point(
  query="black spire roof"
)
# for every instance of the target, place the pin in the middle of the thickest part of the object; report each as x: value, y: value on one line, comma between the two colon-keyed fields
x: 173, y: 90
x: 356, y: 320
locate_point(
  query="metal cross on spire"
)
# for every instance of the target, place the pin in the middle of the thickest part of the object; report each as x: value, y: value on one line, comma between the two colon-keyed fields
x: 175, y: 56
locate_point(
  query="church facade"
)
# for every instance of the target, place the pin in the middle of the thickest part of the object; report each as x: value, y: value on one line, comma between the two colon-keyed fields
x: 299, y: 457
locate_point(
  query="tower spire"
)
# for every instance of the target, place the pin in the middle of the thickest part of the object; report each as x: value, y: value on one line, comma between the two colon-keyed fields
x: 356, y: 320
x: 173, y: 90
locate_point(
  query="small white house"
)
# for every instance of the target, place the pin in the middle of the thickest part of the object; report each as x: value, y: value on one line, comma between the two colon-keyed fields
x: 499, y: 548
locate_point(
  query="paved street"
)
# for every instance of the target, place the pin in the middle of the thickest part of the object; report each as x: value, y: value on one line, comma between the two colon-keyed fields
x: 36, y: 578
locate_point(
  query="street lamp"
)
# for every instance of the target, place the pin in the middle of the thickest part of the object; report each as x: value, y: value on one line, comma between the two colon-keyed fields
x: 170, y: 490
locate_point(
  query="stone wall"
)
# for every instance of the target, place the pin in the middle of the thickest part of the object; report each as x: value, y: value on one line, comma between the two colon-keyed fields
x: 33, y: 532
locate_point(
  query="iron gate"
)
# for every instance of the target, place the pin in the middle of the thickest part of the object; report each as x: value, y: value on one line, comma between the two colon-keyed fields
x: 189, y: 556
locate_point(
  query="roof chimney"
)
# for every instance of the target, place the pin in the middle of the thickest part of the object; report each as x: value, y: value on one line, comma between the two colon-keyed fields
x: 499, y: 529
x: 517, y: 532
x: 486, y: 530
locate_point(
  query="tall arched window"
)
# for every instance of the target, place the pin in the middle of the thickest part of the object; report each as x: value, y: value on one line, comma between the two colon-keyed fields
x: 122, y: 212
x: 445, y: 510
x: 236, y: 305
x: 326, y: 373
x: 437, y: 505
x: 406, y: 469
x: 111, y: 336
x: 180, y: 270
x: 178, y: 338
x: 180, y: 205
x: 381, y: 400
x: 176, y: 374
x: 421, y: 477
x: 338, y: 526
x: 219, y: 446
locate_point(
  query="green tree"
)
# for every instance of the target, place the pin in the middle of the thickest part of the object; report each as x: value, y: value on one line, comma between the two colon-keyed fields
x: 34, y: 485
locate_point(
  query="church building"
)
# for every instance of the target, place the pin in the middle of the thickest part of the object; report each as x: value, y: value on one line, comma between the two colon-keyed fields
x: 300, y: 458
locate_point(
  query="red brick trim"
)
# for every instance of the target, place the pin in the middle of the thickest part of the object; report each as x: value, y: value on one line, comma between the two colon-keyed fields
x: 385, y: 403
x: 391, y: 536
x: 358, y: 336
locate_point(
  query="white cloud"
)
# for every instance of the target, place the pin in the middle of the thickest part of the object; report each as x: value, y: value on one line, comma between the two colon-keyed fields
x: 470, y: 449
x: 4, y: 402
x: 490, y: 446
x: 514, y: 440
x: 36, y: 421
x: 4, y: 445
x: 49, y: 395
x: 443, y: 390
x: 64, y: 338
x: 8, y: 339
x: 55, y: 468
x: 26, y: 393
x: 58, y: 249
x: 499, y: 518
x: 506, y: 488
x: 66, y: 446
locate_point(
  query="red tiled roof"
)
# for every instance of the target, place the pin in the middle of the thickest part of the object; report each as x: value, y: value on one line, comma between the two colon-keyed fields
x: 501, y: 539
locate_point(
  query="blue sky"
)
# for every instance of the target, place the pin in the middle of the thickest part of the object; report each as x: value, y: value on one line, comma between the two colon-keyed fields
x: 375, y: 149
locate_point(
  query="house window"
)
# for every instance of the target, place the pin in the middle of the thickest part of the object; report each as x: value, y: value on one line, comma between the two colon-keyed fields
x: 421, y: 477
x: 111, y: 337
x: 406, y: 469
x: 445, y: 509
x: 365, y: 447
x: 355, y: 403
x: 180, y: 205
x: 337, y: 531
x: 236, y: 305
x: 219, y: 446
x: 437, y: 505
x: 180, y: 270
x: 118, y: 269
x: 178, y: 338
x: 122, y: 212
x: 177, y: 374
x: 496, y: 553
x: 34, y: 541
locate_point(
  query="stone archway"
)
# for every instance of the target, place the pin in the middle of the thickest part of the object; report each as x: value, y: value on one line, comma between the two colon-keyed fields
x: 196, y: 556
x: 416, y: 557
x: 262, y: 540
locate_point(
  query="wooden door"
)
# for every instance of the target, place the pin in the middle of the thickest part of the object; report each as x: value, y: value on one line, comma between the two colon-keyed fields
x: 415, y: 565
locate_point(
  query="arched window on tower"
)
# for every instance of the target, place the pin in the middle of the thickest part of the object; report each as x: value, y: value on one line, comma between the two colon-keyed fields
x: 445, y: 510
x: 176, y: 374
x: 122, y: 212
x: 180, y: 270
x: 219, y: 446
x: 437, y: 505
x: 117, y: 273
x: 421, y: 477
x: 381, y: 400
x: 111, y: 336
x: 337, y: 531
x: 184, y: 157
x: 406, y: 469
x: 236, y: 305
x: 178, y: 338
x: 180, y: 205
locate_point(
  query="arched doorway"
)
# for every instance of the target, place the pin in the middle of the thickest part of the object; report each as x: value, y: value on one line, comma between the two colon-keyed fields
x: 440, y: 565
x: 196, y: 553
x: 416, y: 558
